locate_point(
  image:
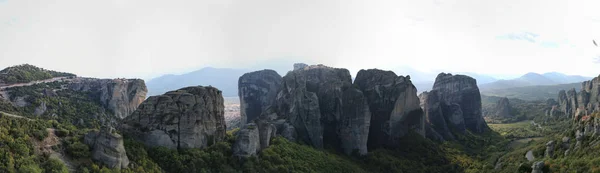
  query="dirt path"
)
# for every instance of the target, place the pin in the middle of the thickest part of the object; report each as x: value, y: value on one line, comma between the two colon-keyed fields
x: 13, y: 115
x: 44, y: 147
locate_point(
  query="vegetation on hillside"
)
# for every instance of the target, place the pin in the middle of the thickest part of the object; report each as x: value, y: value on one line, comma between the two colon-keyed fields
x: 520, y: 109
x: 64, y: 105
x: 532, y: 93
x: 26, y: 73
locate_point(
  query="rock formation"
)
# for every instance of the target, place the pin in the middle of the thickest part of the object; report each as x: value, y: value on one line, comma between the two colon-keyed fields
x: 394, y: 105
x: 122, y: 96
x: 354, y: 122
x: 190, y: 117
x: 550, y: 149
x: 107, y: 148
x: 537, y: 167
x: 311, y: 100
x: 299, y: 66
x: 247, y: 141
x: 257, y: 91
x: 585, y: 102
x: 454, y: 103
x: 503, y: 108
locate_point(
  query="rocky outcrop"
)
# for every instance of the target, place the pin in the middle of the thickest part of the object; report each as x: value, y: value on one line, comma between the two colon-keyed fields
x: 257, y: 91
x: 299, y: 66
x: 40, y: 109
x: 587, y: 101
x: 434, y: 115
x: 190, y: 117
x: 311, y: 100
x: 122, y: 96
x: 462, y: 90
x: 253, y: 138
x: 394, y: 105
x: 107, y: 148
x: 247, y: 142
x: 454, y: 104
x: 503, y: 108
x: 537, y: 167
x: 319, y: 106
x: 550, y: 149
x: 354, y: 122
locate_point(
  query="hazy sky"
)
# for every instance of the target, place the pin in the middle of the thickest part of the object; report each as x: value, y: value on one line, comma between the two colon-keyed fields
x: 135, y: 38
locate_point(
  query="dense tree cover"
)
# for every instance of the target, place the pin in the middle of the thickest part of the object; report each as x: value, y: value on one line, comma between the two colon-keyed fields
x: 26, y: 73
x: 17, y: 149
x: 66, y: 106
x: 520, y: 109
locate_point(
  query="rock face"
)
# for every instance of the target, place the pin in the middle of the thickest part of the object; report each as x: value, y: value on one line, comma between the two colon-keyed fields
x: 257, y: 91
x: 107, y: 148
x: 122, y: 96
x: 394, y: 105
x: 311, y: 100
x: 354, y: 122
x: 190, y: 117
x: 454, y: 103
x: 503, y: 108
x: 587, y: 101
x: 319, y: 106
x: 247, y: 142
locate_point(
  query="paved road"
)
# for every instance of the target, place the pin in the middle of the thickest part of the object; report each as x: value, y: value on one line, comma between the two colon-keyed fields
x: 34, y: 82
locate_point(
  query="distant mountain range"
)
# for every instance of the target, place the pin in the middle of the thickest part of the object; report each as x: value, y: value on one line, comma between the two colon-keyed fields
x: 534, y: 79
x: 225, y: 79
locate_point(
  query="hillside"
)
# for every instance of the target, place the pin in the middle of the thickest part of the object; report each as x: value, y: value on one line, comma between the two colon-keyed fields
x: 223, y: 78
x: 26, y: 73
x: 537, y: 92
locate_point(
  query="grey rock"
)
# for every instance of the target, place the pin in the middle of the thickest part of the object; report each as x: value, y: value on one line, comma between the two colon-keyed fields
x: 566, y: 142
x: 266, y: 131
x: 550, y: 149
x: 503, y: 108
x: 40, y: 109
x: 529, y: 156
x: 462, y: 90
x: 122, y: 96
x: 354, y: 122
x: 311, y: 100
x: 257, y: 92
x: 394, y: 105
x: 432, y: 106
x: 191, y: 117
x: 107, y: 148
x: 247, y: 141
x: 300, y: 66
x: 537, y: 167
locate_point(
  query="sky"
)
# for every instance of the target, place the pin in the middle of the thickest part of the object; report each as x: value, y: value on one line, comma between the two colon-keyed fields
x: 149, y: 38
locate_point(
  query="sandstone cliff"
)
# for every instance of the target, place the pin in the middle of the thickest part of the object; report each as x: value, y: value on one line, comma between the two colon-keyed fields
x: 190, y: 117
